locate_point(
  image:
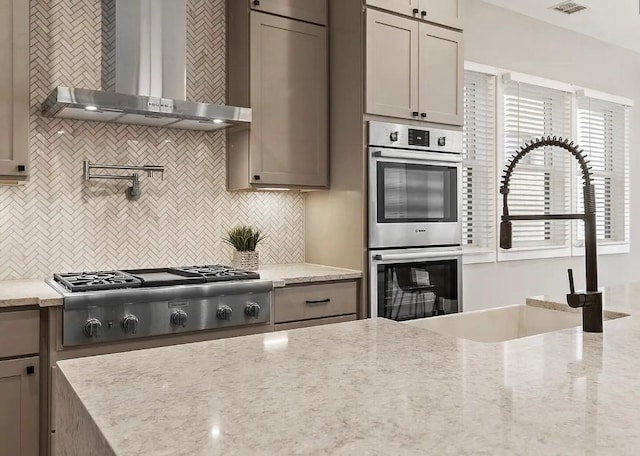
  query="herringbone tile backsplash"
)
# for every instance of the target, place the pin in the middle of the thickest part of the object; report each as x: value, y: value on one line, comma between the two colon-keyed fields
x: 57, y: 222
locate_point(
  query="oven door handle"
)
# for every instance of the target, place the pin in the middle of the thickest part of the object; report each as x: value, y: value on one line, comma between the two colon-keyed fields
x: 416, y: 256
x: 420, y: 156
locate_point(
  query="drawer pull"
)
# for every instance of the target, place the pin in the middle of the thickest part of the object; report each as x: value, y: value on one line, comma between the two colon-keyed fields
x: 318, y: 301
x: 31, y: 370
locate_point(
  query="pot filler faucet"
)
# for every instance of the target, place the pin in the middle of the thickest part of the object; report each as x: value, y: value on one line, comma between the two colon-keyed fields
x: 591, y: 300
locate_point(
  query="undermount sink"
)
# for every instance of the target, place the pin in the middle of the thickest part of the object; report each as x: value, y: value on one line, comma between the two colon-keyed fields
x: 500, y: 324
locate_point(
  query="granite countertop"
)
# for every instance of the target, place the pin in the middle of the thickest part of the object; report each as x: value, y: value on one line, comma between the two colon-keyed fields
x: 299, y: 273
x: 29, y: 292
x: 374, y: 387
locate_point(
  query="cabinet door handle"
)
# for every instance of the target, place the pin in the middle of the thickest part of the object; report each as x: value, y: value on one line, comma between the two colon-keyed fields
x: 415, y: 11
x: 256, y: 2
x: 423, y: 14
x: 415, y: 113
x: 318, y: 301
x: 31, y: 370
x: 423, y: 115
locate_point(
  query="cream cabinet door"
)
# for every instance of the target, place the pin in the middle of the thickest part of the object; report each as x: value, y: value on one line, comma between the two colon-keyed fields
x: 392, y: 65
x: 406, y: 7
x: 441, y: 75
x: 445, y: 12
x: 305, y: 10
x: 19, y: 407
x: 289, y: 98
x: 14, y: 89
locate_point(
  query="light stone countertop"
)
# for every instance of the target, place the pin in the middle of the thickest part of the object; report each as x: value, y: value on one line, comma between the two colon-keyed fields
x: 617, y: 300
x: 33, y: 292
x: 370, y: 387
x: 28, y: 292
x: 299, y: 273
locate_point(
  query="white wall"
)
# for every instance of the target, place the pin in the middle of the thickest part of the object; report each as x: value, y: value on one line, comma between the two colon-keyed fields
x: 501, y: 38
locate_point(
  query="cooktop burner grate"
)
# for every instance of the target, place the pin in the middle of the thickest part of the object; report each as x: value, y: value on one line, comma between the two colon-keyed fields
x: 220, y: 273
x: 102, y: 280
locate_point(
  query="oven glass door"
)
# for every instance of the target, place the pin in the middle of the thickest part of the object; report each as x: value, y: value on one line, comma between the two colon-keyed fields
x: 416, y: 193
x: 417, y: 289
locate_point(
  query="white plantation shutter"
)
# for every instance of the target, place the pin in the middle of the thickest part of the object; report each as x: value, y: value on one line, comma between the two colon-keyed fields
x: 478, y: 176
x: 603, y: 134
x: 541, y: 183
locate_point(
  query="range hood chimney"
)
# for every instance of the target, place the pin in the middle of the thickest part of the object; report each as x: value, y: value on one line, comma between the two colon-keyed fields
x: 146, y: 82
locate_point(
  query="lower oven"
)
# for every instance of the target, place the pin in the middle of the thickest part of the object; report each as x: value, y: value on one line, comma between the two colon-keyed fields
x: 408, y: 284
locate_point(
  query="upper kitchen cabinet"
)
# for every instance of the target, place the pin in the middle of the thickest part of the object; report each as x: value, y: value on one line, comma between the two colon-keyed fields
x: 14, y: 90
x: 443, y: 12
x: 392, y: 65
x: 278, y: 67
x: 305, y: 10
x: 414, y: 70
x: 441, y: 72
x: 406, y: 7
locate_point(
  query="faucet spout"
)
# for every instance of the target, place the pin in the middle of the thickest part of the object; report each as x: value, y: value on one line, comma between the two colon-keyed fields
x: 591, y: 301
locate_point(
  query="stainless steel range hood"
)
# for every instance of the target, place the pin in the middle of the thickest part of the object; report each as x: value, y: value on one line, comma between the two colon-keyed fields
x: 145, y: 84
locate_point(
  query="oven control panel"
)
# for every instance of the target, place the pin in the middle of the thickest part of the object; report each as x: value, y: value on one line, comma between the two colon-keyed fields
x: 401, y: 136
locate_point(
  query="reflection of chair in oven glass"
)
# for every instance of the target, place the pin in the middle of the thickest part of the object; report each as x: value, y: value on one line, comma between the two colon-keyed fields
x: 415, y: 282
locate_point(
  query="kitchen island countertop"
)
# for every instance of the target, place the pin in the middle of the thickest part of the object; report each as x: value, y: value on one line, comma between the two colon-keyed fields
x: 373, y: 387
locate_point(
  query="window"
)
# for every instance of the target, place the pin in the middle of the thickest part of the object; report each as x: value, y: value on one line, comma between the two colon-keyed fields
x: 478, y: 181
x: 541, y: 183
x: 504, y: 110
x: 603, y: 134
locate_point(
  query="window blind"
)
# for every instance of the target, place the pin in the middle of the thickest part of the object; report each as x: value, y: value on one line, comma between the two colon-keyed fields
x: 478, y: 188
x: 603, y: 134
x: 541, y: 183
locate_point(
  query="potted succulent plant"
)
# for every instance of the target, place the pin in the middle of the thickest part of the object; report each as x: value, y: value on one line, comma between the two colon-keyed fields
x: 244, y: 239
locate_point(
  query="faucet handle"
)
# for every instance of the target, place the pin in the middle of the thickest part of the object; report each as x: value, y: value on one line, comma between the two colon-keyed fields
x: 572, y: 287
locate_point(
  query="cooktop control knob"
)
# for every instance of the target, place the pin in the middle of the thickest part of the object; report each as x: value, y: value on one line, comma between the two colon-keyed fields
x: 393, y: 136
x: 93, y: 327
x: 442, y: 141
x: 224, y: 313
x: 252, y: 310
x: 179, y: 318
x: 130, y: 324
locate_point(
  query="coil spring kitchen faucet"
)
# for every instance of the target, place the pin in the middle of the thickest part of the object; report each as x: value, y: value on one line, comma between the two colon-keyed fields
x: 591, y: 300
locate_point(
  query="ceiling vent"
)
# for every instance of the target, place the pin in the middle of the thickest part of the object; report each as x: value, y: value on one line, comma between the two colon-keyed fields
x: 569, y: 7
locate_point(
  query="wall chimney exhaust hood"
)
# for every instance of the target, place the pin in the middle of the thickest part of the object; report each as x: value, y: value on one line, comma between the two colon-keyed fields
x: 145, y: 84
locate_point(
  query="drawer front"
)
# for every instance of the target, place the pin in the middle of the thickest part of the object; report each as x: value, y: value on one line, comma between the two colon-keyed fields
x: 314, y: 322
x: 315, y: 301
x: 19, y: 333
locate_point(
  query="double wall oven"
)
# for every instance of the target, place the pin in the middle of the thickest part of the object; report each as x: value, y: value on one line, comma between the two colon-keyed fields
x: 415, y: 228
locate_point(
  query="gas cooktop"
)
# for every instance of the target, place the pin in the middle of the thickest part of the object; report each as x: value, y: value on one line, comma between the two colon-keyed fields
x: 157, y: 277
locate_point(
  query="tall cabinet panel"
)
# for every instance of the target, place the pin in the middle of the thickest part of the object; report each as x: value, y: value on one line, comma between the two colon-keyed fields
x: 14, y: 90
x: 441, y: 75
x: 19, y: 407
x: 289, y: 99
x: 304, y: 10
x: 445, y: 12
x: 392, y: 65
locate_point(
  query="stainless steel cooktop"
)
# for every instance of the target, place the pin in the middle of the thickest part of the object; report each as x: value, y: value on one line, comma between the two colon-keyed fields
x: 106, y: 306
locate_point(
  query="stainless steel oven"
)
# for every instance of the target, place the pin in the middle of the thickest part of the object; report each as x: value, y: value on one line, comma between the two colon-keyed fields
x: 415, y: 283
x: 415, y: 184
